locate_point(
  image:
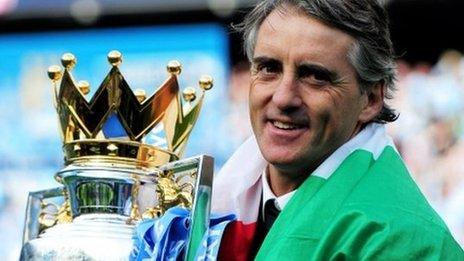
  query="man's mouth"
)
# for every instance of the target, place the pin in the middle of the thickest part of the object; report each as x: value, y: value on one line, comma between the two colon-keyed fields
x: 286, y: 125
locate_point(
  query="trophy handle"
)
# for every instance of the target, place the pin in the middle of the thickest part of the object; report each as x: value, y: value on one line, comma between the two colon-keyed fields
x: 200, y: 215
x: 200, y: 210
x: 34, y: 208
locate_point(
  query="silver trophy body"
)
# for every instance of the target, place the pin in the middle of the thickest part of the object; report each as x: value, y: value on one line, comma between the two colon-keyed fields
x: 105, y: 204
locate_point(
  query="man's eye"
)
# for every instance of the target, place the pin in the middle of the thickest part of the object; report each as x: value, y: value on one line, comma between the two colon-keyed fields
x: 314, y: 76
x: 268, y: 68
x: 321, y: 77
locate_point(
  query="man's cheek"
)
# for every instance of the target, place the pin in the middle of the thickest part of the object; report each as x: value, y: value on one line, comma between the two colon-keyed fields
x: 319, y: 126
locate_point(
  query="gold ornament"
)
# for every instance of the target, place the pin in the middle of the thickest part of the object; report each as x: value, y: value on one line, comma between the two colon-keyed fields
x: 174, y: 67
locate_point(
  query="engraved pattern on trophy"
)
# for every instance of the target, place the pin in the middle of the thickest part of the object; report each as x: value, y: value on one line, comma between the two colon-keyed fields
x: 52, y: 214
x: 111, y: 182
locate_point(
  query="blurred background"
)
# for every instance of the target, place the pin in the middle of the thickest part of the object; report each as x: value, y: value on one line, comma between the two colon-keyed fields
x: 34, y: 34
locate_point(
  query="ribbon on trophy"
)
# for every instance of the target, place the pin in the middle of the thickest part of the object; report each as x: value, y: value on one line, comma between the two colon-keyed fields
x: 165, y: 238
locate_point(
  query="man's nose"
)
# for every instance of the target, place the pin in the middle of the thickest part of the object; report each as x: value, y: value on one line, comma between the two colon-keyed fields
x: 287, y: 95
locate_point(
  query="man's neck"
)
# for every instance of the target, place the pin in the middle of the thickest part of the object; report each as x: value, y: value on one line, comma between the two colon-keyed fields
x: 282, y: 183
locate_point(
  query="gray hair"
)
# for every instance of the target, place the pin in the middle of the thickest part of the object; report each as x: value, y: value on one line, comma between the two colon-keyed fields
x: 365, y: 20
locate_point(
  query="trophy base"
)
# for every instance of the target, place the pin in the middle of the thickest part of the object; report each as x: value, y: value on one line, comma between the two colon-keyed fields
x: 88, y: 237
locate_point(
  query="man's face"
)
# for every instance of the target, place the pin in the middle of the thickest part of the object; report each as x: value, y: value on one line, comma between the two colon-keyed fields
x: 305, y: 101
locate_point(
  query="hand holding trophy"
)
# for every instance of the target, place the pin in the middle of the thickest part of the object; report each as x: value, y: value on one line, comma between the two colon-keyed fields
x: 115, y: 173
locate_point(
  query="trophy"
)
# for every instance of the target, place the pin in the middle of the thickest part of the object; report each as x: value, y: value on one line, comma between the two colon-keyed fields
x: 114, y: 174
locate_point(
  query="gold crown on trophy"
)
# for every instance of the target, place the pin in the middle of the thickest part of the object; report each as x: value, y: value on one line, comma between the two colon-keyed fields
x: 115, y: 124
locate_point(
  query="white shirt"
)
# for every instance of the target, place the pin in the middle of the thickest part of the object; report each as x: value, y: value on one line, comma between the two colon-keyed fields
x: 280, y: 202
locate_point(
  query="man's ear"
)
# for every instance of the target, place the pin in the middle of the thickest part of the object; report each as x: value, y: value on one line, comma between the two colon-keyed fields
x: 375, y: 96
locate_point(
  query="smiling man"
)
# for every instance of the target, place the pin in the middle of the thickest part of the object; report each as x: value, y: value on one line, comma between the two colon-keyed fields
x: 320, y: 164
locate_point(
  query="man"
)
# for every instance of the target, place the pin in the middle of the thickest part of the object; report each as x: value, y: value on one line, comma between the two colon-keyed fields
x: 321, y: 71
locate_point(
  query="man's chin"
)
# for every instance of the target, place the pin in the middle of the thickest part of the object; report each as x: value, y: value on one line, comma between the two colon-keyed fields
x: 293, y: 162
x: 290, y: 169
x: 281, y: 158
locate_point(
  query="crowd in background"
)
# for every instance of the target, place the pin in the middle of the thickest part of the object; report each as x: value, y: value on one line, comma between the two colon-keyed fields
x: 429, y: 132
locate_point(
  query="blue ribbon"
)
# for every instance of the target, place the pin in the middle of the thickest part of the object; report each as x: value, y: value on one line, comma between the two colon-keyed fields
x: 165, y: 238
